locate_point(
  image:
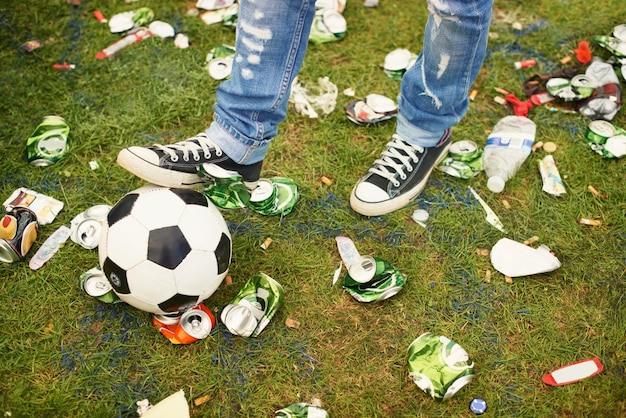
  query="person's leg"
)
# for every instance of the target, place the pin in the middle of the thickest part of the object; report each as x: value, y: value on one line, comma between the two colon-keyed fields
x: 433, y: 98
x: 272, y: 37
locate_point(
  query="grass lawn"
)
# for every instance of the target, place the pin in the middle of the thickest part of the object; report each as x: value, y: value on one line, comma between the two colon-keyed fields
x: 67, y: 354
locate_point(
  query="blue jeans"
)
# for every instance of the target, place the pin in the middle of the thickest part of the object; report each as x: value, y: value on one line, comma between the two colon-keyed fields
x: 272, y: 37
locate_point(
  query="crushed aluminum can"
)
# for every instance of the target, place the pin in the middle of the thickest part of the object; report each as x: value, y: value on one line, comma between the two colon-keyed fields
x: 253, y: 307
x: 96, y: 285
x: 18, y: 232
x: 87, y: 226
x: 464, y: 160
x: 438, y: 366
x: 195, y: 324
x: 606, y: 139
x: 301, y: 410
x: 49, y: 142
x: 274, y: 196
x: 385, y: 282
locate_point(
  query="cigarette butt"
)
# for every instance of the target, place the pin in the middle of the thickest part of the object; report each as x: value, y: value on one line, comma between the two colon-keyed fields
x: 473, y: 95
x: 482, y: 251
x: 488, y: 276
x: 506, y: 204
x: 292, y: 323
x: 565, y: 60
x: 229, y: 280
x: 326, y: 180
x: 591, y: 222
x: 593, y: 190
x: 500, y: 100
x: 508, y: 279
x: 199, y: 401
x: 63, y: 66
x: 537, y: 146
x: 501, y: 91
x: 531, y: 240
x: 266, y: 243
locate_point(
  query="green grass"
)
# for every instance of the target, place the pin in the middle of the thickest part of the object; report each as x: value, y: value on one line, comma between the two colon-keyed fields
x: 65, y: 354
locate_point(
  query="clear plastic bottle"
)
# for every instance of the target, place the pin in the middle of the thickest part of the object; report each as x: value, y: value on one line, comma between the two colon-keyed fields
x: 506, y: 149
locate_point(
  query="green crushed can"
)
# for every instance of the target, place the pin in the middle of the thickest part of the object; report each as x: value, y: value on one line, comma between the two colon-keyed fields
x: 301, y: 410
x: 225, y: 192
x: 275, y: 196
x: 49, y: 142
x: 439, y: 367
x: 253, y: 307
x: 464, y: 160
x: 386, y: 282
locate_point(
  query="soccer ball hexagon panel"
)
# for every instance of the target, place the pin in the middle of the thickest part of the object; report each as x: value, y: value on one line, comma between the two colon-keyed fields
x: 164, y: 250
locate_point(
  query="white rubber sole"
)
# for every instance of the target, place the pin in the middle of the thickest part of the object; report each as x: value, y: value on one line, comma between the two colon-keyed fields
x: 156, y: 175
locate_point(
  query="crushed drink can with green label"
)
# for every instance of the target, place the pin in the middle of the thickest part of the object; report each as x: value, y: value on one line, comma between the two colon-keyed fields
x: 253, y: 307
x: 464, y: 160
x: 227, y: 192
x: 301, y: 410
x: 49, y: 142
x: 439, y: 367
x: 386, y: 282
x: 606, y: 139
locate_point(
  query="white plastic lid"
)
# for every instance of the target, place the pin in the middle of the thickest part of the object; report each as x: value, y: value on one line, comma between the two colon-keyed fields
x: 495, y: 184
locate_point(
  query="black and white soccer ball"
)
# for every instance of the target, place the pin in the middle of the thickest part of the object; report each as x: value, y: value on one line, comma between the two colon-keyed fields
x: 164, y: 250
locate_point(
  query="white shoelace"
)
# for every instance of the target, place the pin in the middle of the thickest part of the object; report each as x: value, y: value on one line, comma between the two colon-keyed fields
x: 192, y: 145
x: 391, y: 155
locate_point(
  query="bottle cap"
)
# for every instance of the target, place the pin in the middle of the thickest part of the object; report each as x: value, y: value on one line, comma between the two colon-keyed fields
x: 478, y: 406
x: 495, y: 184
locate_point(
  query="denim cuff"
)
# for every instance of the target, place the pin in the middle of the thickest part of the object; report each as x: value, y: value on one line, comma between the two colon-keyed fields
x: 240, y: 150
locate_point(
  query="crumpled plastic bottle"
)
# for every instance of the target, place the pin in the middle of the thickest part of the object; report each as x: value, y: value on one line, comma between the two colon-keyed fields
x: 506, y: 149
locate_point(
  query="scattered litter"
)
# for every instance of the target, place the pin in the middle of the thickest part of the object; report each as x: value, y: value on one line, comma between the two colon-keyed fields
x: 596, y: 193
x: 439, y: 366
x: 565, y: 60
x: 397, y: 62
x: 420, y: 216
x: 552, y: 183
x: 301, y: 410
x: 95, y: 284
x: 193, y: 325
x: 174, y: 405
x: 473, y: 94
x: 45, y: 207
x: 536, y: 146
x: 590, y: 222
x: 49, y: 142
x: 266, y: 243
x: 87, y: 226
x: 484, y: 252
x: 525, y: 64
x: 506, y: 149
x: 500, y: 100
x: 349, y: 92
x: 99, y: 16
x: 219, y: 61
x: 514, y: 259
x: 18, y: 232
x: 370, y: 3
x: 506, y: 204
x: 464, y: 160
x: 253, y: 307
x: 531, y: 240
x: 31, y: 45
x: 49, y: 247
x: 606, y: 100
x: 549, y: 147
x: 228, y: 280
x: 326, y: 181
x: 292, y: 323
x: 573, y: 372
x: 478, y: 406
x: 328, y: 25
x: 491, y: 217
x: 324, y: 97
x: 368, y: 279
x: 606, y: 139
x: 508, y: 279
x: 226, y: 15
x: 373, y: 109
x: 64, y: 66
x: 117, y: 46
x: 200, y: 400
x: 181, y: 41
x: 487, y: 276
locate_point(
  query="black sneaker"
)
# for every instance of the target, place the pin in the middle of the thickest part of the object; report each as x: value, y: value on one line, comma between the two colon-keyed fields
x: 398, y: 176
x: 176, y: 165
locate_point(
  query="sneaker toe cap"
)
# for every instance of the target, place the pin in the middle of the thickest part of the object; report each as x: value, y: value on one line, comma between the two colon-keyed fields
x: 370, y: 193
x: 142, y: 153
